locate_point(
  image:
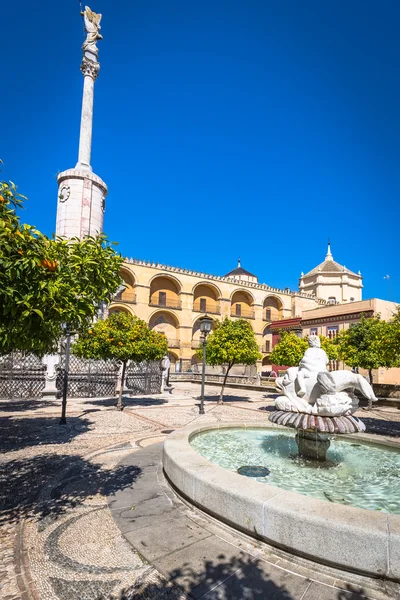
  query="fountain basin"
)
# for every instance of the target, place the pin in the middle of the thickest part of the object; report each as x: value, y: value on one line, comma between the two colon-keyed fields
x: 350, y: 538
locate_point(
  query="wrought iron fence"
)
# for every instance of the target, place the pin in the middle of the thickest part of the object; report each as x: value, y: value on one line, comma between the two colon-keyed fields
x: 144, y: 378
x: 21, y: 376
x: 88, y: 378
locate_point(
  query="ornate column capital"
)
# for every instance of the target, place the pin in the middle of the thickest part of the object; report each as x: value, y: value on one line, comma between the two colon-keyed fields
x: 90, y: 68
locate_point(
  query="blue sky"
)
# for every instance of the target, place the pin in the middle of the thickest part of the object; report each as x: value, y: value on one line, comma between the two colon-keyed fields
x: 223, y: 128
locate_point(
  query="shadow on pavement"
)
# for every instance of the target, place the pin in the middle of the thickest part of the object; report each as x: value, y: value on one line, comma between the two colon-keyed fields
x: 22, y: 405
x: 74, y: 479
x: 381, y: 426
x: 22, y: 432
x: 128, y: 401
x: 227, y: 398
x: 238, y: 578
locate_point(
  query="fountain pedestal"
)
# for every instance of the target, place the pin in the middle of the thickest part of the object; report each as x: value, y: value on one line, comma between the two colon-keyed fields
x: 312, y: 445
x: 313, y: 431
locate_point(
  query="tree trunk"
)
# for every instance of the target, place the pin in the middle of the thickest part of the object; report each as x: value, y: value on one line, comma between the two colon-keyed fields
x: 221, y: 396
x: 121, y: 387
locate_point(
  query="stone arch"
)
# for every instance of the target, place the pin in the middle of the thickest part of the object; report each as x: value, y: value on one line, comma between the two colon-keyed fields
x: 206, y: 298
x: 267, y: 340
x: 242, y: 304
x: 165, y: 291
x: 115, y: 308
x: 166, y: 323
x: 272, y: 308
x: 174, y: 358
x: 196, y: 334
x: 128, y: 294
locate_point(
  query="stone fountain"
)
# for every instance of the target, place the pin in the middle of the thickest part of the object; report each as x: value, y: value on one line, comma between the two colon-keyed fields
x: 318, y: 403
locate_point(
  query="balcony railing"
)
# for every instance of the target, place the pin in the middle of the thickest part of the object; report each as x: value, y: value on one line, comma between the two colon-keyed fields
x: 196, y: 344
x: 245, y: 313
x: 265, y: 348
x: 125, y: 296
x: 174, y: 344
x: 272, y: 318
x: 211, y: 309
x: 168, y: 303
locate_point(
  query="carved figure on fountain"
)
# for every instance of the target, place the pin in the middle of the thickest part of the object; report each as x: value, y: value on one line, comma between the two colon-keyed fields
x: 310, y: 388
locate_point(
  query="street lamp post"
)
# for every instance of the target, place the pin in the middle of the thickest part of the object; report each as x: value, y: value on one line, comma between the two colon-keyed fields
x: 63, y: 420
x: 205, y: 328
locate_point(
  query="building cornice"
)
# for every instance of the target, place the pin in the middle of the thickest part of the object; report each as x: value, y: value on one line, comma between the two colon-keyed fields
x: 335, y: 318
x: 248, y: 284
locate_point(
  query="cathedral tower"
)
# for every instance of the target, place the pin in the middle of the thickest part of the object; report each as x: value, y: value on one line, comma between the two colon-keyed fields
x: 81, y: 193
x: 332, y: 282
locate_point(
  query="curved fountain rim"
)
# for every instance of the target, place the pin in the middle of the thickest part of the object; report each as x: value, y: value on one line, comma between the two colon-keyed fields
x: 349, y: 537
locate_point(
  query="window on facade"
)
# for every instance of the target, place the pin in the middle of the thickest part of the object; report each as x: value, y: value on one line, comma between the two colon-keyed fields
x: 332, y: 331
x: 314, y: 331
x: 268, y: 346
x: 203, y: 304
x: 162, y: 298
x: 268, y: 314
x: 331, y: 300
x: 238, y: 310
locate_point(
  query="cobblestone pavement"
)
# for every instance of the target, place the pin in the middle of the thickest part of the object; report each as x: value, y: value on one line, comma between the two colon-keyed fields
x: 58, y: 540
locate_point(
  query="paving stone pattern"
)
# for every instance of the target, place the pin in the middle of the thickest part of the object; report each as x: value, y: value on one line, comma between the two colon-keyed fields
x: 59, y: 538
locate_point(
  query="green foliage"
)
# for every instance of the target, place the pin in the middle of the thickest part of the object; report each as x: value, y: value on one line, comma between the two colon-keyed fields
x: 370, y: 343
x: 232, y: 342
x: 290, y: 349
x: 47, y: 282
x: 122, y: 337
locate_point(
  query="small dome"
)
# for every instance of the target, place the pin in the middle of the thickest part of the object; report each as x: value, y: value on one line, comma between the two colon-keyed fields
x: 239, y: 272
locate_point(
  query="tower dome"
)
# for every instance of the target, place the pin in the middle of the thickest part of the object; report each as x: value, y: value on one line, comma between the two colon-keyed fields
x: 332, y: 281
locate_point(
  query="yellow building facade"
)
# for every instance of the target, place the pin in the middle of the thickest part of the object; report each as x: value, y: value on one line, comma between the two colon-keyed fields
x: 172, y: 300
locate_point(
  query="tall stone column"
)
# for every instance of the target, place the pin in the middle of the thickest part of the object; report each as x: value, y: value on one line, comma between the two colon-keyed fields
x: 90, y: 70
x: 81, y: 193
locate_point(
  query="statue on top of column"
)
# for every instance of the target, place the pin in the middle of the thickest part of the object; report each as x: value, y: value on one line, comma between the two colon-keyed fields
x: 92, y: 28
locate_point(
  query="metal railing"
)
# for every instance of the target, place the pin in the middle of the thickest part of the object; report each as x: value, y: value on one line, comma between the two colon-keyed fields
x: 168, y: 303
x: 272, y: 318
x: 196, y: 344
x: 174, y: 343
x: 211, y: 309
x: 245, y: 313
x: 265, y: 348
x: 125, y: 296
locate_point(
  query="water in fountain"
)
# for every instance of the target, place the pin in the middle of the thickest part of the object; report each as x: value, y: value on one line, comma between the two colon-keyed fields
x: 362, y: 475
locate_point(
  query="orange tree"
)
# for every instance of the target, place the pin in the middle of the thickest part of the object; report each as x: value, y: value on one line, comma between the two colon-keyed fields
x: 231, y: 343
x: 371, y: 343
x: 46, y: 282
x: 290, y: 349
x: 121, y: 337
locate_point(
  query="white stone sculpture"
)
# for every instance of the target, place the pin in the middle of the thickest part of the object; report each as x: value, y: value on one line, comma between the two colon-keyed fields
x: 92, y: 28
x: 165, y: 365
x: 311, y: 389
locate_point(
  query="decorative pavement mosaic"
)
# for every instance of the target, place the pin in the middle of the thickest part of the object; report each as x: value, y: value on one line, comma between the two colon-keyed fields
x: 58, y: 540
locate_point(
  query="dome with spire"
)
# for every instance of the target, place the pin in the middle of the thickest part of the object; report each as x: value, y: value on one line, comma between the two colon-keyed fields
x: 332, y: 281
x: 241, y: 274
x: 328, y: 266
